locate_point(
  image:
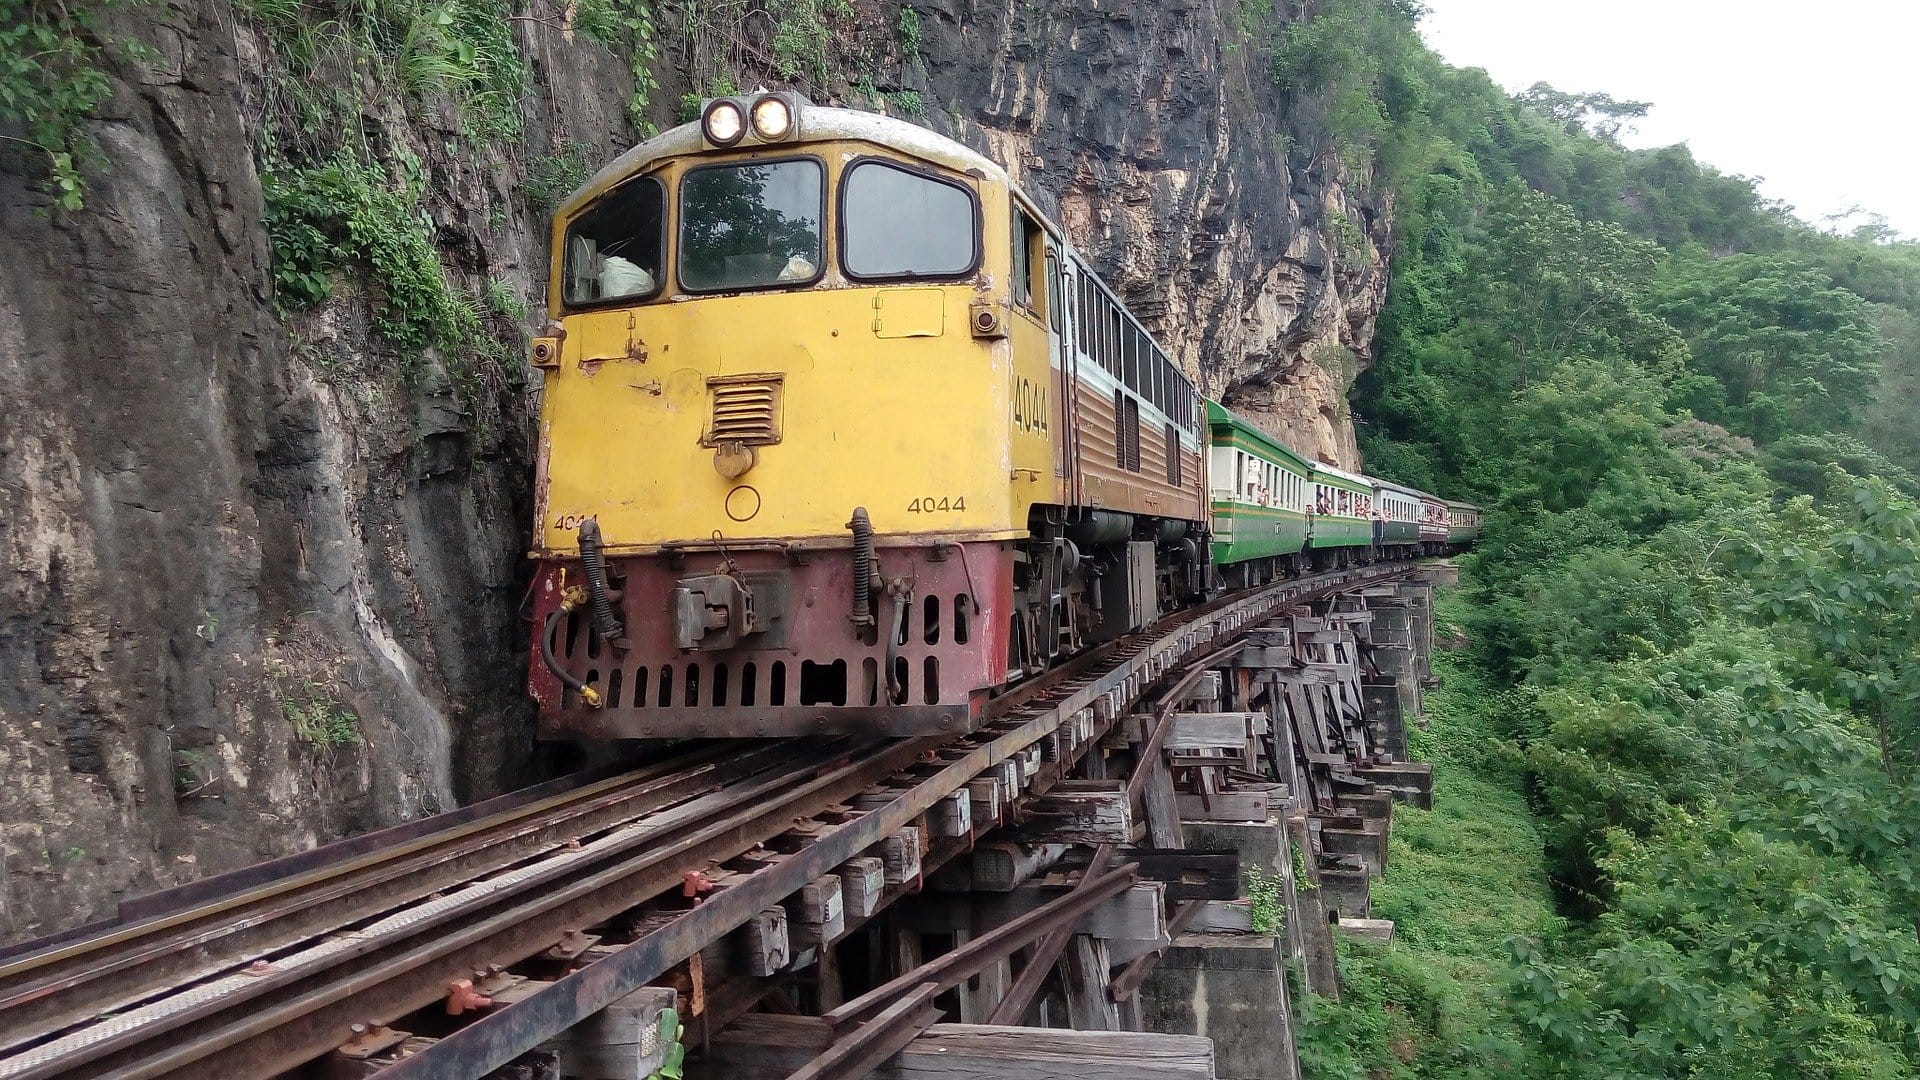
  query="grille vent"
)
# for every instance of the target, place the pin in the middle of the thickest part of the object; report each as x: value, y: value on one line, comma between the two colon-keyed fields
x: 746, y: 410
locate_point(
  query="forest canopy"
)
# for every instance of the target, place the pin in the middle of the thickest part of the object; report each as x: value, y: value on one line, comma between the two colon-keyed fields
x: 1693, y: 632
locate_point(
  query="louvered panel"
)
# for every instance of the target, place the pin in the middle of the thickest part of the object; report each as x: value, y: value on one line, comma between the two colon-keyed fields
x: 746, y: 409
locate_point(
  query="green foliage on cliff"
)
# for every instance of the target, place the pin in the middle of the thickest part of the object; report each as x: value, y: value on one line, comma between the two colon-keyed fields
x: 1690, y: 419
x: 53, y: 76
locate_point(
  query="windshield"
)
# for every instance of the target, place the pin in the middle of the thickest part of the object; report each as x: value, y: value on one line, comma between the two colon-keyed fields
x: 749, y: 226
x: 903, y: 224
x: 613, y: 250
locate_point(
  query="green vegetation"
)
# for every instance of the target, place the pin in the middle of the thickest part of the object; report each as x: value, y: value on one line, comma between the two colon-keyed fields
x: 53, y: 58
x: 347, y: 203
x: 192, y: 772
x: 1464, y: 877
x: 316, y: 716
x: 320, y: 218
x: 1268, y: 907
x: 909, y: 27
x: 632, y: 26
x: 1677, y: 827
x: 552, y: 177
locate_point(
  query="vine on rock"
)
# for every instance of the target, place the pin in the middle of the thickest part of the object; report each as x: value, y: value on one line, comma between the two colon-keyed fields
x: 52, y: 78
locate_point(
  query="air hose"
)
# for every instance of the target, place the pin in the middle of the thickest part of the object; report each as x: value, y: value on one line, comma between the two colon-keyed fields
x: 604, y: 620
x: 862, y: 526
x: 568, y: 604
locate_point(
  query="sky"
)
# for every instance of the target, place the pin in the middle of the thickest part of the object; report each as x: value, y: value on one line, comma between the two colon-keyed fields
x: 1820, y: 99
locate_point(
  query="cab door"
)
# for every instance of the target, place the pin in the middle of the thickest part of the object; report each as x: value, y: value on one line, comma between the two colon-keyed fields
x: 1062, y: 328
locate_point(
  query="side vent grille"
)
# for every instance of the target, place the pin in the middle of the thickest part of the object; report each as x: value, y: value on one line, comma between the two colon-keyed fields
x: 746, y: 410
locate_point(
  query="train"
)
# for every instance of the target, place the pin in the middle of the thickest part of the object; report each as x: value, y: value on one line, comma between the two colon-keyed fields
x: 839, y: 433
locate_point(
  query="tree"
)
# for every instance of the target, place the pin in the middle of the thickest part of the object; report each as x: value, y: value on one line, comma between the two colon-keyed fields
x: 1602, y: 114
x: 1849, y: 597
x: 1790, y: 351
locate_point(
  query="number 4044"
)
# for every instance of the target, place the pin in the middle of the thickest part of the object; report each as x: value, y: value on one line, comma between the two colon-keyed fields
x: 927, y: 504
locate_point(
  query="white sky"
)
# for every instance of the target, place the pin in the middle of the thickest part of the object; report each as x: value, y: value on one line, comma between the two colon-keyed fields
x: 1819, y: 98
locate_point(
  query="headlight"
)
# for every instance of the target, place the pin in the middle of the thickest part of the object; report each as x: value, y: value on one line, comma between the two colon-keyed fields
x: 772, y: 118
x: 722, y: 123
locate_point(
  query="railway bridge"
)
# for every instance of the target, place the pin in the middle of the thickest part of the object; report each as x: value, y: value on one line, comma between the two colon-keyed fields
x: 1069, y: 885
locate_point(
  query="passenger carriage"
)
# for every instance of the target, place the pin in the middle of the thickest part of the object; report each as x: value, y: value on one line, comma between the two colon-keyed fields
x: 1260, y: 495
x: 1339, y: 526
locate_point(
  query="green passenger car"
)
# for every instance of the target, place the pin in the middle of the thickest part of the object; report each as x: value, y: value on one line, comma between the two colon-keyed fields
x: 1260, y: 492
x: 1342, y: 509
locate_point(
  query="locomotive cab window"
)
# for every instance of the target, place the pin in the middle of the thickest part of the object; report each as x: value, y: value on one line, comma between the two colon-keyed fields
x: 614, y: 250
x: 753, y: 225
x: 897, y: 223
x: 1029, y: 253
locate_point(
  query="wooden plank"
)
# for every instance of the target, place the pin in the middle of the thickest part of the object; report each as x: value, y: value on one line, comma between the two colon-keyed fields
x: 1227, y: 806
x: 814, y: 914
x: 1162, y: 806
x: 770, y: 1047
x: 620, y: 1042
x: 1127, y: 950
x: 1380, y: 930
x: 1189, y: 874
x: 901, y: 855
x: 1223, y: 917
x: 766, y: 948
x: 1208, y: 731
x: 1079, y: 817
x: 862, y: 881
x: 953, y: 815
x: 984, y: 794
x: 1136, y: 913
x: 1257, y: 656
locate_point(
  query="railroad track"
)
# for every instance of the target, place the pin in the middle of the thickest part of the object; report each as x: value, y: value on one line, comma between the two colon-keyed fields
x: 256, y: 973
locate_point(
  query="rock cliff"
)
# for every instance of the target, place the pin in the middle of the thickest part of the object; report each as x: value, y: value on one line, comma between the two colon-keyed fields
x: 264, y: 581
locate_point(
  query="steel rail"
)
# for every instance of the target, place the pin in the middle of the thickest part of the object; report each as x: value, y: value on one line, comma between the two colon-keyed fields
x: 74, y: 981
x: 504, y: 1034
x: 200, y: 1019
x: 309, y: 997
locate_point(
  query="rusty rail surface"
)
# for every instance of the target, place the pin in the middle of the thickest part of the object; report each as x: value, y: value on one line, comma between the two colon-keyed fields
x: 255, y: 973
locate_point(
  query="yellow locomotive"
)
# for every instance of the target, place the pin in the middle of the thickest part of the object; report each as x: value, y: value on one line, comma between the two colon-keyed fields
x: 838, y: 433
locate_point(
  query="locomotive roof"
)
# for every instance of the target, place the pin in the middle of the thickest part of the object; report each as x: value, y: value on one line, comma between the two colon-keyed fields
x: 1219, y: 416
x: 1402, y: 488
x: 1342, y: 474
x: 817, y: 123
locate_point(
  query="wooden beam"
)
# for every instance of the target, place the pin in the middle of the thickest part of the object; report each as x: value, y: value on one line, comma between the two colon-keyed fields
x: 1207, y: 731
x: 1079, y: 817
x: 861, y: 883
x: 900, y: 853
x: 620, y: 1042
x: 1086, y: 971
x: 1001, y: 865
x: 1136, y: 913
x: 1229, y: 805
x: 765, y: 1047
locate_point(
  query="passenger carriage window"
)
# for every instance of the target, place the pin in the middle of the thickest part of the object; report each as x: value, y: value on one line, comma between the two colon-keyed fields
x: 899, y: 223
x: 614, y: 249
x: 750, y: 226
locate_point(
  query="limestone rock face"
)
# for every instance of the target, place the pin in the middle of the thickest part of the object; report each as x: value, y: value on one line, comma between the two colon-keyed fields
x: 265, y: 587
x: 1159, y: 136
x: 262, y: 590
